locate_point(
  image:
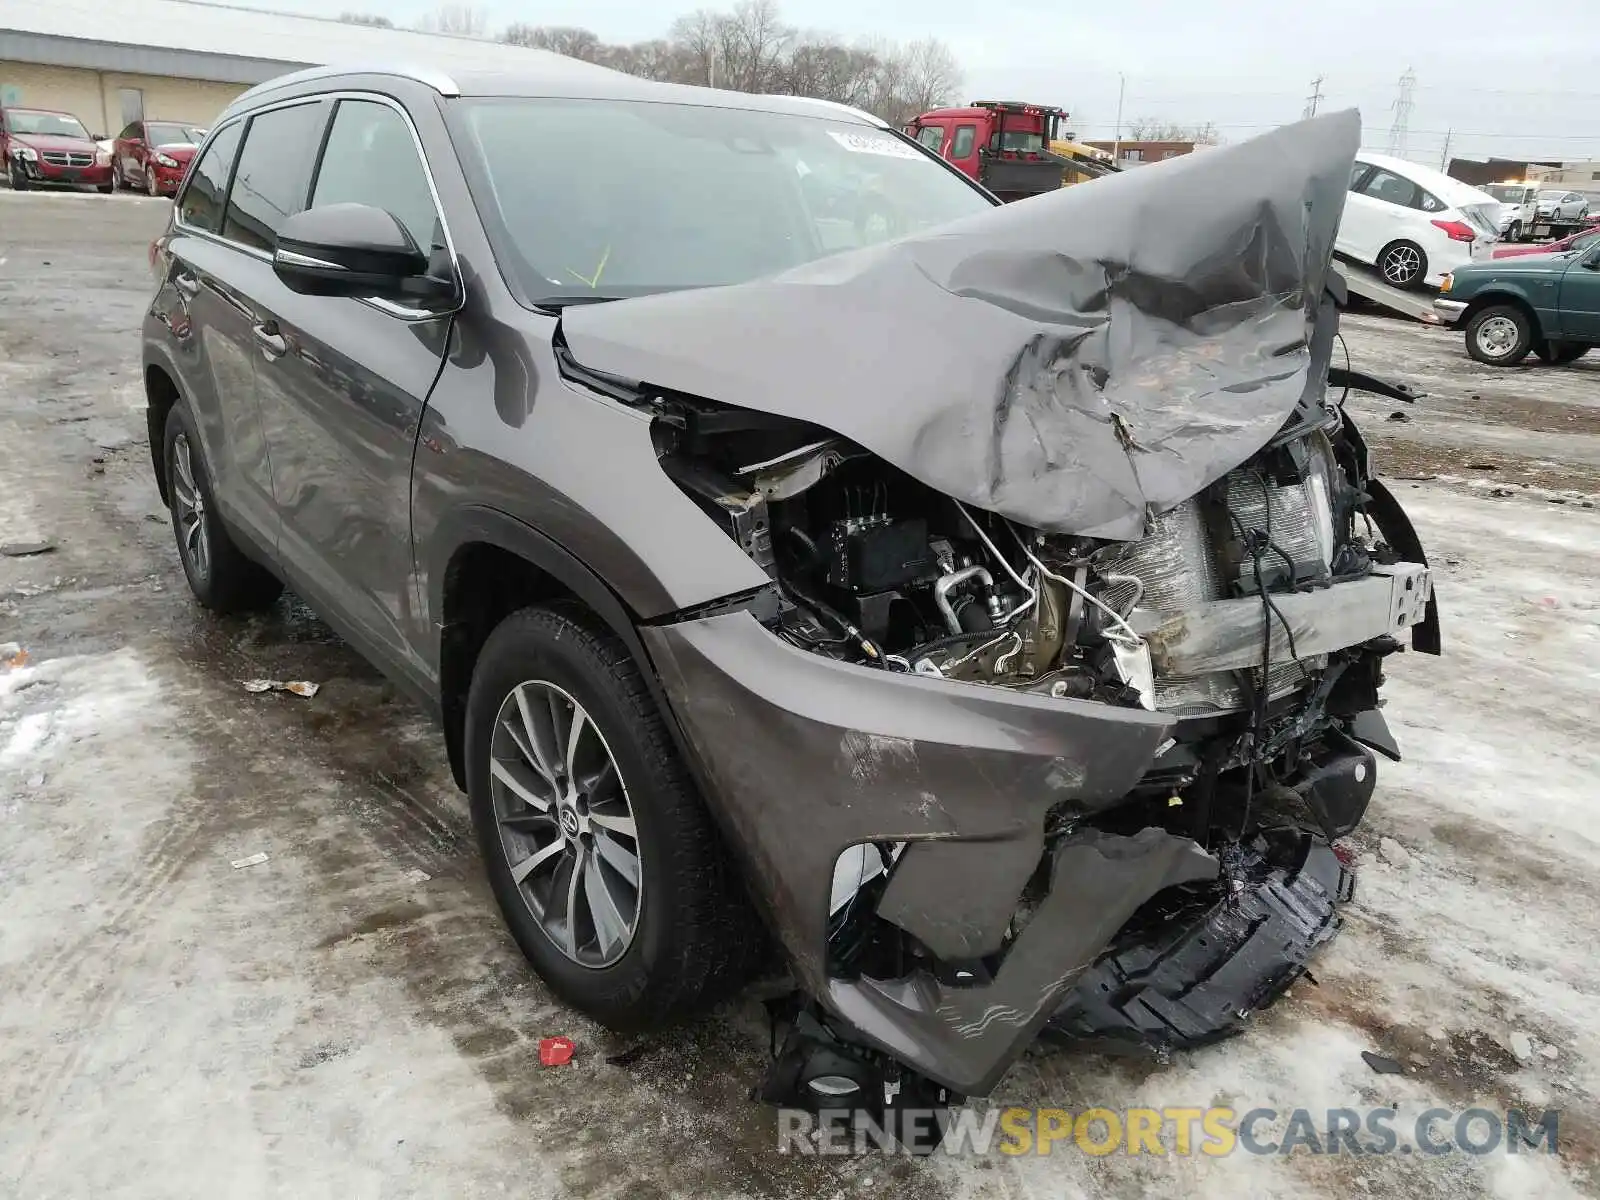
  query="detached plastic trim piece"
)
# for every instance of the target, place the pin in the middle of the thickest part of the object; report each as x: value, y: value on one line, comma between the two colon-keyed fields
x: 1195, y: 981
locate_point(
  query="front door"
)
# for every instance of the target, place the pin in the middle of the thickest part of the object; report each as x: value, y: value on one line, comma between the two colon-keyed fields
x: 342, y: 384
x: 1580, y: 296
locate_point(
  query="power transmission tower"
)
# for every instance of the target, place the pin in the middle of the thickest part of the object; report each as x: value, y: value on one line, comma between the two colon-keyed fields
x: 1402, y: 114
x: 1314, y: 99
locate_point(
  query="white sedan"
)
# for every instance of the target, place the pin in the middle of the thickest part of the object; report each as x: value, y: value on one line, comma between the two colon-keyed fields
x: 1412, y: 223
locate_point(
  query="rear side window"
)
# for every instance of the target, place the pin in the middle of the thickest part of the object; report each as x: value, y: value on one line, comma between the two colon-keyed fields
x: 201, y: 206
x: 961, y: 147
x: 274, y: 168
x: 1432, y: 203
x: 1392, y: 189
x: 371, y: 158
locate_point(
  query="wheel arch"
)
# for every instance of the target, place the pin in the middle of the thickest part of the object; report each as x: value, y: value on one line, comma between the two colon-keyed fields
x: 488, y: 564
x: 160, y: 393
x: 1490, y: 299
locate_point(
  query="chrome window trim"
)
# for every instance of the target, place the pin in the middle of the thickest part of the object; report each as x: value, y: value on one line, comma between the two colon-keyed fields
x: 404, y: 312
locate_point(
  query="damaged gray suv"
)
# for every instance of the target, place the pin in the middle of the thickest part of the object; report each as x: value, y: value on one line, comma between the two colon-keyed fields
x: 984, y: 606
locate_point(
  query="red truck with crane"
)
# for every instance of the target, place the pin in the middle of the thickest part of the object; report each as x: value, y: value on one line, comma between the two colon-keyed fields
x: 1003, y: 144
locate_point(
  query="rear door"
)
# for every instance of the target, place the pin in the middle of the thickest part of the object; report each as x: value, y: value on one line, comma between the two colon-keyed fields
x: 342, y: 384
x: 205, y: 310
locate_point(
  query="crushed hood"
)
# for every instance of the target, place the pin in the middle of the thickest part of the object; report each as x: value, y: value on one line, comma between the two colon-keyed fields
x: 1077, y: 361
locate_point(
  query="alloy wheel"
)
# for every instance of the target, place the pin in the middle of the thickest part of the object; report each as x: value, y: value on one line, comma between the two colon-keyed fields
x: 151, y: 185
x: 565, y: 822
x: 189, y: 510
x: 1497, y: 336
x: 1401, y: 264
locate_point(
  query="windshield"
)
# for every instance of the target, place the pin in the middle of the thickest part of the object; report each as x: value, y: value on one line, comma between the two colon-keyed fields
x: 1022, y: 142
x: 1507, y: 193
x: 163, y: 134
x: 46, y: 124
x: 604, y: 198
x: 1547, y: 194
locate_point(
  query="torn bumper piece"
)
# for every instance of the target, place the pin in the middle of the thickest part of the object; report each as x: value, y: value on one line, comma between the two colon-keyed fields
x: 802, y: 756
x: 1192, y: 976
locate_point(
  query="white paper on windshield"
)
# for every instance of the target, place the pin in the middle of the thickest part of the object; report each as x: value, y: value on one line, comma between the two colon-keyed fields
x: 873, y: 143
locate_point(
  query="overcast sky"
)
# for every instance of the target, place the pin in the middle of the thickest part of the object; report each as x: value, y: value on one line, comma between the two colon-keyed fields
x: 1508, y: 79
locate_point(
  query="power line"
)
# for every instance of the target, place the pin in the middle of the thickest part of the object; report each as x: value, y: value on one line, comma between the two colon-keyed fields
x: 1314, y: 99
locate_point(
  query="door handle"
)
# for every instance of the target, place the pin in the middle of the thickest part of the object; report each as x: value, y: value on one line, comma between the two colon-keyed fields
x: 187, y: 284
x: 273, y: 344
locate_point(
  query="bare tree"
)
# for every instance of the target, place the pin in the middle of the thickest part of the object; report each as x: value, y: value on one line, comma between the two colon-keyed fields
x: 1151, y: 129
x: 559, y: 39
x: 698, y: 37
x: 750, y: 48
x: 932, y: 76
x: 464, y: 20
x: 372, y: 19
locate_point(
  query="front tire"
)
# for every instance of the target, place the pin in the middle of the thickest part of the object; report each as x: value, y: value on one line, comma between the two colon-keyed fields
x: 1500, y: 336
x: 1403, y: 265
x: 152, y: 186
x: 220, y: 575
x: 605, y: 863
x: 1514, y: 234
x: 19, y: 181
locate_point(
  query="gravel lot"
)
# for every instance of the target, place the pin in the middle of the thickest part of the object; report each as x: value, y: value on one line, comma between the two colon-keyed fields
x: 349, y: 1019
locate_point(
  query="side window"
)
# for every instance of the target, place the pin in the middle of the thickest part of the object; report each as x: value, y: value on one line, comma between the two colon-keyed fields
x: 274, y: 167
x: 932, y: 136
x: 1391, y: 189
x: 201, y: 203
x: 961, y: 147
x: 1358, y: 172
x: 371, y: 158
x: 1432, y: 203
x: 130, y: 133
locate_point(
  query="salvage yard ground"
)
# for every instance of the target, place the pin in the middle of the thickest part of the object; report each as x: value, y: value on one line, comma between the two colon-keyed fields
x: 348, y: 1018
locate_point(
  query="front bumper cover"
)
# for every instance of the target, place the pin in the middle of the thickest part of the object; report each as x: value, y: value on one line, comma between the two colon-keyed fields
x: 802, y: 756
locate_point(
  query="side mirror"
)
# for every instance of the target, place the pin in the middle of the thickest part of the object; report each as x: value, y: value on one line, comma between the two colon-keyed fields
x: 354, y: 250
x: 99, y: 137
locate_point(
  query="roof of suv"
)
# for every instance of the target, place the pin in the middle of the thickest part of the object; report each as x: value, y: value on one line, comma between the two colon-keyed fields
x: 555, y: 77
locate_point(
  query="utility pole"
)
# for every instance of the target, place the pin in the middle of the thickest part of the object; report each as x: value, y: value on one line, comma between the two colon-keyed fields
x: 1444, y: 158
x: 1402, y: 114
x: 1116, y: 142
x: 1314, y: 99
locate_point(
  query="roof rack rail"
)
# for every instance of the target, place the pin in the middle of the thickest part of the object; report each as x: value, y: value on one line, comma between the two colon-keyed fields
x: 427, y: 76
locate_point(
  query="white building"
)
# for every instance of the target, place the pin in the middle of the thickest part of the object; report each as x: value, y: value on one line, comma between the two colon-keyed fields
x: 111, y: 63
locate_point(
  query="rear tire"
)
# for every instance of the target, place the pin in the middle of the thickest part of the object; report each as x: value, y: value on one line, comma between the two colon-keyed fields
x: 1500, y: 336
x: 692, y: 935
x: 1559, y: 354
x: 221, y: 577
x: 1403, y: 265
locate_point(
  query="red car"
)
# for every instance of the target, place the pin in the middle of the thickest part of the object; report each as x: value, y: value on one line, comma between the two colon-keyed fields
x: 44, y: 147
x: 154, y: 155
x: 1575, y: 241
